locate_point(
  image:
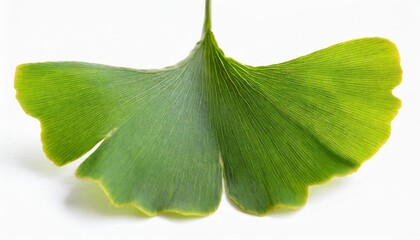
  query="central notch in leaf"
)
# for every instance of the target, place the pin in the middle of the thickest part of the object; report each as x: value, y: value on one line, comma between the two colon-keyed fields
x: 277, y: 128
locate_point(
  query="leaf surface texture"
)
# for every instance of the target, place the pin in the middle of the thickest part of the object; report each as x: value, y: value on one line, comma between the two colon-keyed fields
x: 169, y: 135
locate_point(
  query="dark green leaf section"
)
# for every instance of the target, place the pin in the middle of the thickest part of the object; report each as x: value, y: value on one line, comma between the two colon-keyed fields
x: 158, y: 154
x: 284, y: 127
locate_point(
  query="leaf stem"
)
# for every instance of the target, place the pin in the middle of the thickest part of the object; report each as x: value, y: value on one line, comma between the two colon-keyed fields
x: 207, y: 18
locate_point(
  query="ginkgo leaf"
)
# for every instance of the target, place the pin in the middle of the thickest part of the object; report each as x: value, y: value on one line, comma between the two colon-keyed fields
x: 284, y: 127
x: 169, y: 135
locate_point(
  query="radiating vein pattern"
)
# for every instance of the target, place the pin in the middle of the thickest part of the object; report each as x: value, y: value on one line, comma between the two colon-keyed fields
x: 168, y: 137
x: 284, y: 127
x: 158, y: 154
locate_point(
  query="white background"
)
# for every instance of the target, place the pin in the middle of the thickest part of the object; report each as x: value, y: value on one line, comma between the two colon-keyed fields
x: 41, y: 201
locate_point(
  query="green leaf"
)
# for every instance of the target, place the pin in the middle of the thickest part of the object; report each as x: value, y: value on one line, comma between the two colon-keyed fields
x: 158, y: 152
x: 168, y: 134
x: 284, y: 127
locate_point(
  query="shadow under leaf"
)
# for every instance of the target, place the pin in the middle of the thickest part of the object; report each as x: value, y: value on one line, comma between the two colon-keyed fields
x: 88, y: 198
